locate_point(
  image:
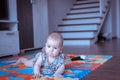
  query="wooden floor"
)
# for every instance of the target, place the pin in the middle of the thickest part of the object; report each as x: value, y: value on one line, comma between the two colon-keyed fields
x: 111, y: 69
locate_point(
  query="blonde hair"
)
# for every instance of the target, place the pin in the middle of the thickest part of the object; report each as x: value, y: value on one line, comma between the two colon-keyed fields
x: 56, y: 36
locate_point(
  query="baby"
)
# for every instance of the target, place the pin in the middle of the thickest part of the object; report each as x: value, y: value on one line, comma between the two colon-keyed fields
x: 49, y: 61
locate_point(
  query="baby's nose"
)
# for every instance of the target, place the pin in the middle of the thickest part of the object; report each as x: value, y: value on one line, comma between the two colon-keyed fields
x: 51, y: 50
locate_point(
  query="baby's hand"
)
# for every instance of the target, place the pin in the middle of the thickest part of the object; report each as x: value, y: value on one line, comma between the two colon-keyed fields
x: 58, y: 75
x: 37, y: 75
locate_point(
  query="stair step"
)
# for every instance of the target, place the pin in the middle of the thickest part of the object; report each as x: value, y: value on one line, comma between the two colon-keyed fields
x: 78, y: 38
x: 62, y: 25
x: 82, y: 18
x: 78, y: 27
x: 85, y: 5
x: 84, y: 10
x: 76, y: 42
x: 82, y: 21
x: 78, y: 35
x: 77, y: 31
x: 82, y: 15
x: 87, y: 1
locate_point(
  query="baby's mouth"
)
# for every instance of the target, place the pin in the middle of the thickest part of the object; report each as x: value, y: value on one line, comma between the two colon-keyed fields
x: 50, y: 53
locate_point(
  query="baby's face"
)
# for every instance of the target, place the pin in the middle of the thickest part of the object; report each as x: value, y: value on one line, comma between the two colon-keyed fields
x: 53, y: 47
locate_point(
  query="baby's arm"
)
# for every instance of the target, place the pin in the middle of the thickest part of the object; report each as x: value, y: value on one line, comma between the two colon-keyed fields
x: 37, y: 67
x: 60, y: 71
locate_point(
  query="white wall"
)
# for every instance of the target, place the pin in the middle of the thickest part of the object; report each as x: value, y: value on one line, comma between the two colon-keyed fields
x: 57, y: 10
x: 54, y: 10
x: 107, y: 27
x: 12, y: 14
x: 114, y: 18
x: 115, y: 11
x: 40, y: 22
x: 112, y: 25
x: 118, y: 18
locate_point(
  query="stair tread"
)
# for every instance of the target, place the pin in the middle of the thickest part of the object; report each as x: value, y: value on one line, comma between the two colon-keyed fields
x: 86, y: 3
x: 76, y: 31
x: 81, y: 18
x: 60, y: 25
x: 84, y: 8
x: 84, y: 12
x: 78, y: 38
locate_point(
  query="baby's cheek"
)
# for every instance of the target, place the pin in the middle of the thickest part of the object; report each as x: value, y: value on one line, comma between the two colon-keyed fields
x: 46, y: 51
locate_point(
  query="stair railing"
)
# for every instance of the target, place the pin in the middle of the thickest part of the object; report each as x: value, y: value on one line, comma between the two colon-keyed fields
x: 101, y: 13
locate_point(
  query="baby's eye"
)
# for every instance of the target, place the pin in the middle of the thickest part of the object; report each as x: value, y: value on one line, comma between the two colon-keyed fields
x: 55, y: 48
x: 48, y: 46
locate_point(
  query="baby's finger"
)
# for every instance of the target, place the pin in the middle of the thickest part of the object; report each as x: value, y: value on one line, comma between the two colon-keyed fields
x: 33, y: 76
x: 38, y: 75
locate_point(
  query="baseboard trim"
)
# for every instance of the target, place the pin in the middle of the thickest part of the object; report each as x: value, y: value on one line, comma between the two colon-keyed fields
x: 29, y: 49
x: 114, y: 37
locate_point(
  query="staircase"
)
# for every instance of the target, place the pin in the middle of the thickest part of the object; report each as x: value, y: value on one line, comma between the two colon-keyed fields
x: 83, y: 23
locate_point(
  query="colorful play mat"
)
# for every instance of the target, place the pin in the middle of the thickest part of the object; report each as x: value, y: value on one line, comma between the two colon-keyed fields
x: 75, y: 70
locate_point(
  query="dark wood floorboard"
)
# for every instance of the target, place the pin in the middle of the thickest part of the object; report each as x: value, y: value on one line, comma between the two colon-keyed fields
x: 109, y: 70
